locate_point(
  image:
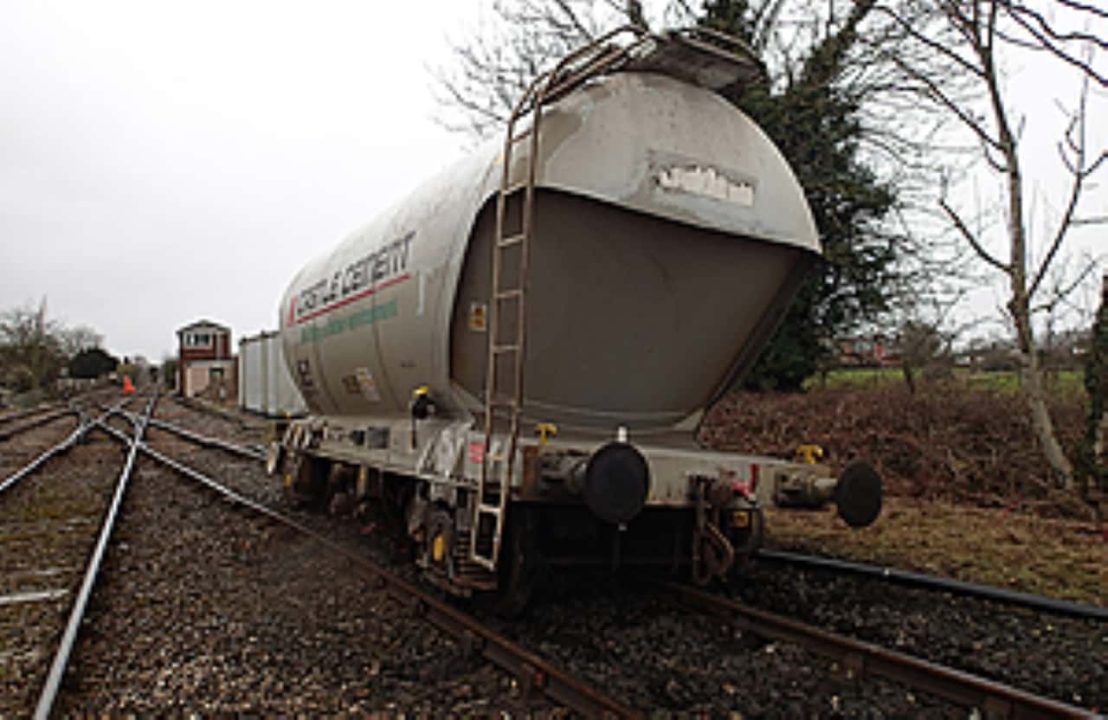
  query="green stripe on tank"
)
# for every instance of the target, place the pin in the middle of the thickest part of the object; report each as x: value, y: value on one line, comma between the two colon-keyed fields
x: 336, y: 326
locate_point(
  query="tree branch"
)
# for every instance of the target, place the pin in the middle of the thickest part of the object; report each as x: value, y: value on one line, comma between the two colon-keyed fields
x: 1075, y: 139
x: 933, y: 45
x: 937, y: 94
x: 1083, y: 7
x: 1016, y: 8
x: 1060, y: 53
x: 971, y: 239
x: 573, y: 19
x: 1061, y: 293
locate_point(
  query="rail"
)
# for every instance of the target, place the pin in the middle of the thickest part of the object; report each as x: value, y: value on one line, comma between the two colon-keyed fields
x: 204, y: 440
x: 35, y: 421
x: 60, y: 448
x: 80, y: 603
x: 993, y: 699
x: 911, y: 578
x: 20, y: 414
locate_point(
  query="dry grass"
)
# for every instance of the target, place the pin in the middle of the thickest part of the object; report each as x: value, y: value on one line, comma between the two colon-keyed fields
x: 950, y: 441
x: 1062, y: 558
x: 968, y: 494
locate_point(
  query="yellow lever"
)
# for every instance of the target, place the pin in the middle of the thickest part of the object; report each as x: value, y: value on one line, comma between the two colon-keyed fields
x: 545, y: 431
x: 809, y: 454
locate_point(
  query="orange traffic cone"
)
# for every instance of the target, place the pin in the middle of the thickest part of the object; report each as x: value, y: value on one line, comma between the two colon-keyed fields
x: 128, y: 386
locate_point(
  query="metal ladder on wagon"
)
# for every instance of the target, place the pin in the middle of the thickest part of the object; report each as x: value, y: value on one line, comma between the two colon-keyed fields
x: 677, y: 53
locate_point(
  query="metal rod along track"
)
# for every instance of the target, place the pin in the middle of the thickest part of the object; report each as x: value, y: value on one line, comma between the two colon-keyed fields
x: 534, y: 672
x: 911, y: 578
x: 994, y: 699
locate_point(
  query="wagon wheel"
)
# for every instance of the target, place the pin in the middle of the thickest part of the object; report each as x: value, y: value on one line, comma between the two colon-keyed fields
x: 306, y: 485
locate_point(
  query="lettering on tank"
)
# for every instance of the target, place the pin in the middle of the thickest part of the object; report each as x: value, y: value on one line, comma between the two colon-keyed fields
x: 382, y: 268
x: 314, y: 333
x: 706, y: 182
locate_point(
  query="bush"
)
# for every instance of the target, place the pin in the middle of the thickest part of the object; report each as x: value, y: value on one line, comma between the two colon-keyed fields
x: 951, y: 440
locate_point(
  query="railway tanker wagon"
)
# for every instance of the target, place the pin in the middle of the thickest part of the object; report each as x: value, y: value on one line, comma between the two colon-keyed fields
x: 514, y: 360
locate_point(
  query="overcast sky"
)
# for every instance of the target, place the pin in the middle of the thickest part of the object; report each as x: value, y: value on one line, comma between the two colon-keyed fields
x: 162, y: 162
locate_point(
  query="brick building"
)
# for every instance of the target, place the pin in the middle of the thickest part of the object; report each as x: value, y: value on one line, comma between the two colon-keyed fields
x: 205, y: 363
x: 866, y: 351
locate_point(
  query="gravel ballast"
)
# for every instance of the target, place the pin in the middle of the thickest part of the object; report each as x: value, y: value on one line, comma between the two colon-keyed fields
x: 207, y: 609
x: 48, y: 525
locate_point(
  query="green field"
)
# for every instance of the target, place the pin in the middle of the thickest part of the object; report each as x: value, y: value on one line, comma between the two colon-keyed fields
x: 1062, y: 381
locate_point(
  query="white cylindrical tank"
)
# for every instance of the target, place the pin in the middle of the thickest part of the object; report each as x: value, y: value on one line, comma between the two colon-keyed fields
x: 669, y: 236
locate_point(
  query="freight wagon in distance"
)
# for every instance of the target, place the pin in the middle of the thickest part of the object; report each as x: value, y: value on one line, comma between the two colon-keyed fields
x: 265, y: 385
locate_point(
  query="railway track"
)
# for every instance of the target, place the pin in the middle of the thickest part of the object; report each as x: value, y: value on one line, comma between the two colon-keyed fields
x: 856, y: 659
x: 246, y: 451
x: 533, y: 673
x: 48, y: 526
x: 17, y: 424
x: 909, y: 578
x: 11, y: 415
x: 859, y: 660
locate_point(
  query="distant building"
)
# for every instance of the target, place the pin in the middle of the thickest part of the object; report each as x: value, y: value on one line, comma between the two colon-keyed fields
x: 866, y: 351
x: 205, y: 364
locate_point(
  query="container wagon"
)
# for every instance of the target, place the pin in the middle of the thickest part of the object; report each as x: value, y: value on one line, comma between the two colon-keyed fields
x: 265, y: 386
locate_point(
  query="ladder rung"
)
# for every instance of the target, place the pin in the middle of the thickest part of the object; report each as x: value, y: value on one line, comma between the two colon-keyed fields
x: 499, y: 349
x: 526, y: 133
x: 488, y: 509
x: 508, y: 294
x: 511, y: 240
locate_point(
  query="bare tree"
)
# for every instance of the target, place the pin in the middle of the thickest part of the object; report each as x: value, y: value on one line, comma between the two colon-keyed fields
x: 494, y: 63
x: 977, y: 34
x: 75, y: 339
x: 34, y: 348
x: 927, y: 333
x: 30, y: 354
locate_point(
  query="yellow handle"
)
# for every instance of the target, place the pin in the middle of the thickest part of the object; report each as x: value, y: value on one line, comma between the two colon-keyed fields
x: 546, y: 431
x: 809, y: 454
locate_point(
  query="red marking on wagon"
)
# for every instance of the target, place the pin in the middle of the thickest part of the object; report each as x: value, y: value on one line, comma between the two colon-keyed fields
x: 354, y: 298
x: 747, y: 488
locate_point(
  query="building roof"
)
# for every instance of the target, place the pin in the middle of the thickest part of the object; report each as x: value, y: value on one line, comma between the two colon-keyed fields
x: 203, y: 325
